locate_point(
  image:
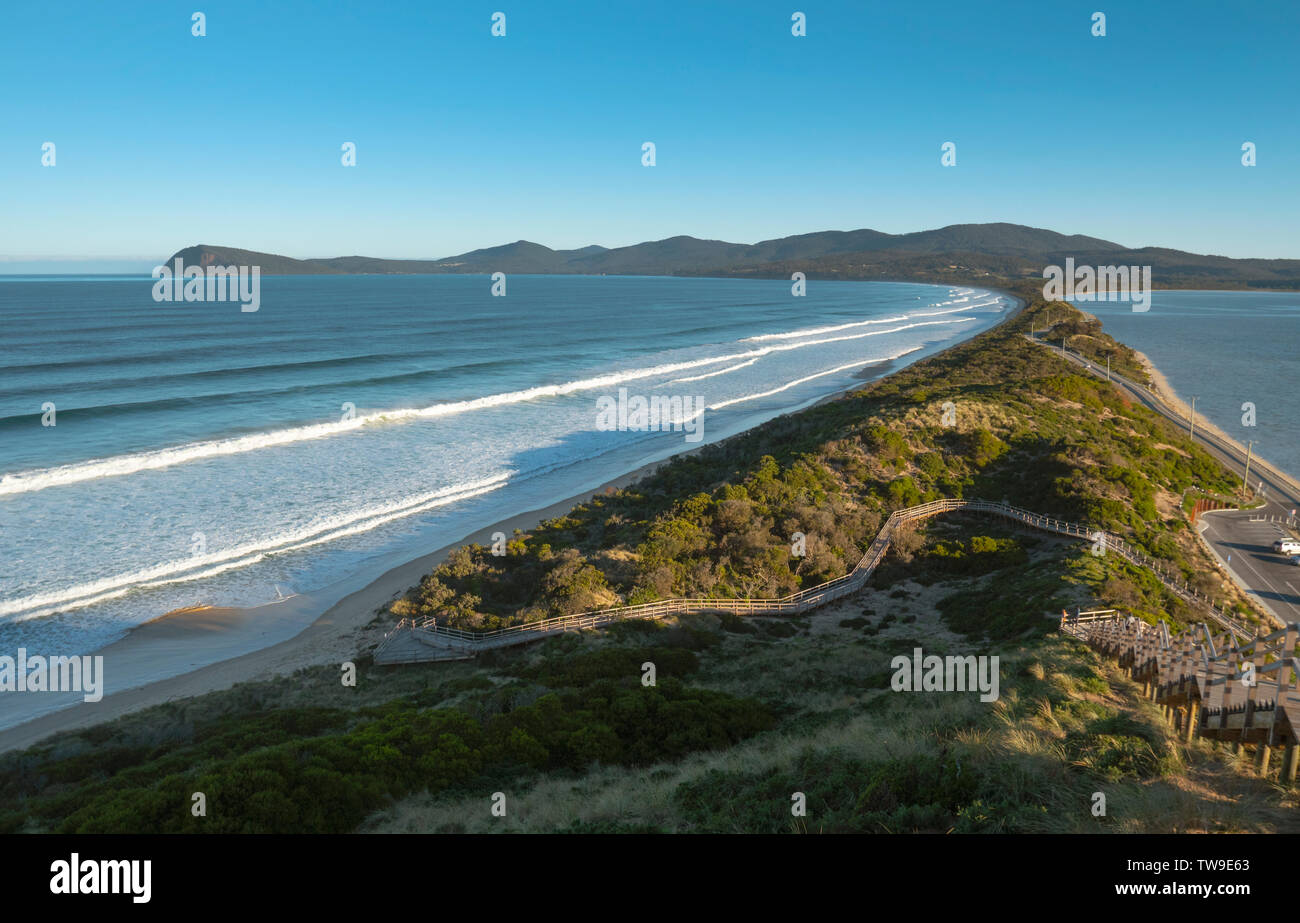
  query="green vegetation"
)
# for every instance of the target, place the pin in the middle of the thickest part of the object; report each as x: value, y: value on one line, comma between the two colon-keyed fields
x: 744, y: 712
x: 720, y: 522
x: 323, y: 770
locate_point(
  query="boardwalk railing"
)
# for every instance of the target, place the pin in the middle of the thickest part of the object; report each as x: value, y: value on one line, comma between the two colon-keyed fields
x: 428, y: 631
x: 1077, y: 624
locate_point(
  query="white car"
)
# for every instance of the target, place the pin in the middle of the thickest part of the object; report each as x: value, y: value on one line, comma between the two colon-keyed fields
x: 1287, y: 546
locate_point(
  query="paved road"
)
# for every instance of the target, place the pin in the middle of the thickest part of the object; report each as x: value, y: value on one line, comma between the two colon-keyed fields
x: 1245, y: 536
x: 1242, y: 540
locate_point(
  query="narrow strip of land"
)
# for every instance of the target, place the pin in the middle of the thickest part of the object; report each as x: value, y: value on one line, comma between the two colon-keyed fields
x: 1241, y: 539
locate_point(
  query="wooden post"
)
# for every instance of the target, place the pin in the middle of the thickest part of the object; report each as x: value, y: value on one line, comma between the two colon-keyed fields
x: 1290, y: 757
x: 1190, y: 731
x: 1262, y: 762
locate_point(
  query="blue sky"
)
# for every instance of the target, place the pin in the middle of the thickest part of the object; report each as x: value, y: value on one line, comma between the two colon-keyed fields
x: 465, y: 140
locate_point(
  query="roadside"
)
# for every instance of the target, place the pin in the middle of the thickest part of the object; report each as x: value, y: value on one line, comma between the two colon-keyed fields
x: 1242, y: 542
x: 1247, y: 534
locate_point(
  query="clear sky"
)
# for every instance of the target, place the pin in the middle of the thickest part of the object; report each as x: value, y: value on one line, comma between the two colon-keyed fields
x: 464, y: 140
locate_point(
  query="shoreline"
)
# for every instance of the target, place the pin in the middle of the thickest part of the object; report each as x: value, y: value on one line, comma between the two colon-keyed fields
x: 340, y: 633
x: 1163, y: 390
x: 335, y: 636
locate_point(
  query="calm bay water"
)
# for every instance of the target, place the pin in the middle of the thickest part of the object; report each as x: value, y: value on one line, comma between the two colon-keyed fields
x: 201, y: 455
x: 1225, y: 349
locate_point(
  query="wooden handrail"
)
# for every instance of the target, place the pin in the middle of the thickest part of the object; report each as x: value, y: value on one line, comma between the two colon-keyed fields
x: 797, y: 602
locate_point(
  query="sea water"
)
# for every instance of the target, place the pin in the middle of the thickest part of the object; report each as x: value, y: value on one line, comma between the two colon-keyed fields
x: 161, y: 455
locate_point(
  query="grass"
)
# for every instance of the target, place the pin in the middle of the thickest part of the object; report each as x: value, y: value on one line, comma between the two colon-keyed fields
x: 869, y: 760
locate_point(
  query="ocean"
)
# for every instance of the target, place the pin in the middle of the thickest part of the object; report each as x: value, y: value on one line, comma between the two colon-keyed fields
x: 202, y: 455
x: 1228, y: 350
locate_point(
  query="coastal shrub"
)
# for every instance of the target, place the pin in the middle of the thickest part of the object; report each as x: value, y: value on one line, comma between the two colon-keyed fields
x: 905, y: 541
x: 328, y: 784
x: 324, y: 770
x: 617, y: 664
x: 903, y: 492
x: 572, y: 585
x: 844, y: 795
x: 932, y: 465
x: 1013, y: 602
x: 983, y: 447
x: 949, y: 558
x: 719, y: 521
x: 889, y: 446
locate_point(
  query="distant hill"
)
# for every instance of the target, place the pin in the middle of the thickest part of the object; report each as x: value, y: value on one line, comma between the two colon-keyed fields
x: 961, y: 253
x: 272, y: 264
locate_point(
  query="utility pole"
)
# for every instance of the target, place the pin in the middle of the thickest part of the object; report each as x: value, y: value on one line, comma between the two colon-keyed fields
x: 1108, y: 366
x: 1244, y: 486
x: 1062, y: 346
x: 1191, y: 432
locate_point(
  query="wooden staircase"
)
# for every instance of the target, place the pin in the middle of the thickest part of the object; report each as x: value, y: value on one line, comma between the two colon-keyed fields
x: 1241, y: 694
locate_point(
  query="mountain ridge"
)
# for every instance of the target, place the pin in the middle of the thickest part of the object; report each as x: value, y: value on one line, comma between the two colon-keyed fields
x: 955, y: 253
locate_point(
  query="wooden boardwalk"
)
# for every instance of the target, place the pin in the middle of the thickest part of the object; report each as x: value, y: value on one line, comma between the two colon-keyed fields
x: 423, y: 640
x: 1241, y: 693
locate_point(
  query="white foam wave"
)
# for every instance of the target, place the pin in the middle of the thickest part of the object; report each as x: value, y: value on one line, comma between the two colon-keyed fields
x: 813, y: 331
x: 41, y: 479
x: 956, y: 310
x: 213, y: 563
x: 798, y: 381
x: 730, y: 368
